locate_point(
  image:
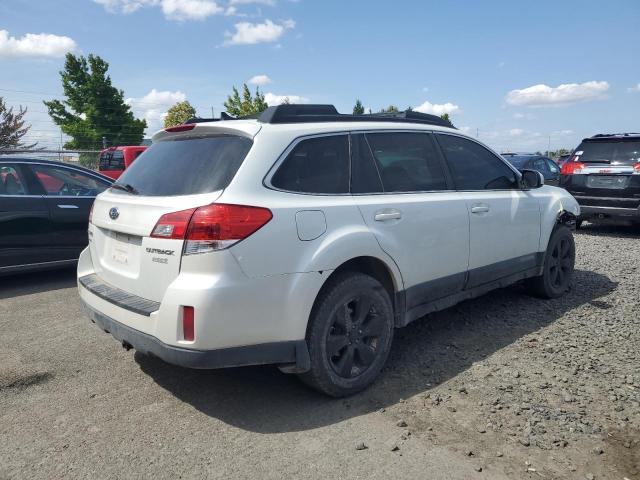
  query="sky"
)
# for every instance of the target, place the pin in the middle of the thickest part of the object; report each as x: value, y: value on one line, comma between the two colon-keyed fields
x: 518, y: 75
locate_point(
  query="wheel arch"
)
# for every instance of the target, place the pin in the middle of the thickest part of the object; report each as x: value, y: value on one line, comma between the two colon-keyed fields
x: 383, y: 272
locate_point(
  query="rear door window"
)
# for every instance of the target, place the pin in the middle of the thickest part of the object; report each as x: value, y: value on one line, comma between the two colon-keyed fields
x: 474, y: 167
x: 613, y: 152
x: 58, y: 181
x: 187, y: 166
x: 316, y: 165
x: 407, y: 162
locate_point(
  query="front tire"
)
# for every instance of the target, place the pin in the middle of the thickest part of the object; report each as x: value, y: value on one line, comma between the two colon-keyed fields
x: 558, y: 267
x: 349, y: 335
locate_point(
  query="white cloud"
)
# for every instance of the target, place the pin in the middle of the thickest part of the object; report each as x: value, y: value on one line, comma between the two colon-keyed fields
x: 516, y: 132
x: 43, y: 45
x: 178, y: 10
x: 153, y: 106
x: 273, y: 99
x: 247, y: 2
x: 539, y: 95
x: 251, y: 33
x: 634, y: 89
x: 437, y: 109
x: 181, y: 10
x: 259, y: 80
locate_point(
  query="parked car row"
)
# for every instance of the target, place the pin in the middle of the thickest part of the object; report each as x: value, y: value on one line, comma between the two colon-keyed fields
x: 303, y: 237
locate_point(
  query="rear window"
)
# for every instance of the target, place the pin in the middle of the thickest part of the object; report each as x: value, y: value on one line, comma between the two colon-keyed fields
x: 187, y: 166
x: 113, y: 160
x: 621, y: 152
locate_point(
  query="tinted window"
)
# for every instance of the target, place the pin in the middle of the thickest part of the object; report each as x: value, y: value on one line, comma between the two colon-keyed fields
x: 11, y: 182
x: 553, y: 167
x: 614, y: 152
x: 407, y: 162
x: 474, y: 167
x: 540, y: 165
x: 65, y: 181
x: 364, y: 172
x: 112, y: 160
x: 316, y: 165
x: 518, y: 161
x: 187, y: 165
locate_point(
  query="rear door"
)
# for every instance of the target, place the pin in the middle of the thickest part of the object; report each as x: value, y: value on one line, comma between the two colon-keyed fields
x: 401, y: 188
x: 504, y: 219
x: 69, y: 194
x: 25, y: 227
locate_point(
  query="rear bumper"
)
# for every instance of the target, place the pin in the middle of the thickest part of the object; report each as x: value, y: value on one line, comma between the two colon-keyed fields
x: 294, y: 354
x: 610, y: 206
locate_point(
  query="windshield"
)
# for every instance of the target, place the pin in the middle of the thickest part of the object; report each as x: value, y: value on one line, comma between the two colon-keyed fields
x: 614, y: 152
x: 186, y: 166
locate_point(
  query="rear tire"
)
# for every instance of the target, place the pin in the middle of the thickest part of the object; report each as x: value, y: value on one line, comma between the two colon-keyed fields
x: 558, y: 267
x: 349, y: 335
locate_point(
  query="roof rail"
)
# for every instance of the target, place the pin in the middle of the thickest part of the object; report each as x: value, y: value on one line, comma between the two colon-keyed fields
x: 291, y: 113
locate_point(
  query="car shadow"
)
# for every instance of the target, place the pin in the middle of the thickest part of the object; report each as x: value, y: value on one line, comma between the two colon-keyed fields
x: 426, y: 353
x: 19, y: 284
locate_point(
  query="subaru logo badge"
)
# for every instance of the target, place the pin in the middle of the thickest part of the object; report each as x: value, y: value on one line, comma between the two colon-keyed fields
x: 114, y: 213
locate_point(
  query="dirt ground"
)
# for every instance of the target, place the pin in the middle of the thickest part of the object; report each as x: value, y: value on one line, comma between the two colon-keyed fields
x: 504, y: 386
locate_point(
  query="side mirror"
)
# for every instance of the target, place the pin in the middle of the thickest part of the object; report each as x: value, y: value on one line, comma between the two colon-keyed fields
x: 532, y: 179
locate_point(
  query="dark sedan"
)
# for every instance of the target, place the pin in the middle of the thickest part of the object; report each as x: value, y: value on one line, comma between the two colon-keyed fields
x: 44, y: 212
x: 547, y: 167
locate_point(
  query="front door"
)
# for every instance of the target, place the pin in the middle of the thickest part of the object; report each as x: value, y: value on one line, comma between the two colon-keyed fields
x: 504, y: 220
x: 69, y: 194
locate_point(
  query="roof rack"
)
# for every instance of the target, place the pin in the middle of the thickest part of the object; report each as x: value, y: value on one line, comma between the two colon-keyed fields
x: 291, y: 113
x: 307, y: 113
x: 605, y: 135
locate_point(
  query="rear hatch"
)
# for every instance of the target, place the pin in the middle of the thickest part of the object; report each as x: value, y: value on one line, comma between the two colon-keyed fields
x: 179, y: 172
x: 608, y: 167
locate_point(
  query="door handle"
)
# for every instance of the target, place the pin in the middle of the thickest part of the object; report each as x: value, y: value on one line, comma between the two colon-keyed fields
x: 67, y: 206
x: 480, y: 208
x: 387, y: 214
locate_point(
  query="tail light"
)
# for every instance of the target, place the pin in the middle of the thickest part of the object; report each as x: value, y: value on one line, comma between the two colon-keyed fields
x: 636, y: 168
x: 188, y: 324
x: 212, y: 227
x: 181, y: 128
x: 571, y: 166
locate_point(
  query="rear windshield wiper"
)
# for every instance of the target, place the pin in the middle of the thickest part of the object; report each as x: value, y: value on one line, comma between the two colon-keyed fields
x: 125, y: 187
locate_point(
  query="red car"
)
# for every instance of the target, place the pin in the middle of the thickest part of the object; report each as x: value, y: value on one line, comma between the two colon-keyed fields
x: 115, y: 160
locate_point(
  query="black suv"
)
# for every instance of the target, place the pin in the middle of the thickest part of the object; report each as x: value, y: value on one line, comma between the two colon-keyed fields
x: 603, y: 175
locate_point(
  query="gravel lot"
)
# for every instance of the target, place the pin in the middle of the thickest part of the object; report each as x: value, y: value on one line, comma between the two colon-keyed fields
x: 505, y: 386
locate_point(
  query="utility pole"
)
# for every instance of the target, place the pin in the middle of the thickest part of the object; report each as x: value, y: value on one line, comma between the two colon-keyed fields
x: 477, y: 132
x: 549, y: 146
x: 213, y: 115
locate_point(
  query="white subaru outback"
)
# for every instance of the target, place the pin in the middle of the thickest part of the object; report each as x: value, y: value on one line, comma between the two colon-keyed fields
x: 304, y: 237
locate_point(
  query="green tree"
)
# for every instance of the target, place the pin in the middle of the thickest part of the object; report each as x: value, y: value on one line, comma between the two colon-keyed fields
x: 93, y: 108
x: 179, y: 113
x: 13, y: 127
x: 447, y: 118
x: 390, y: 109
x: 247, y: 104
x: 358, y: 108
